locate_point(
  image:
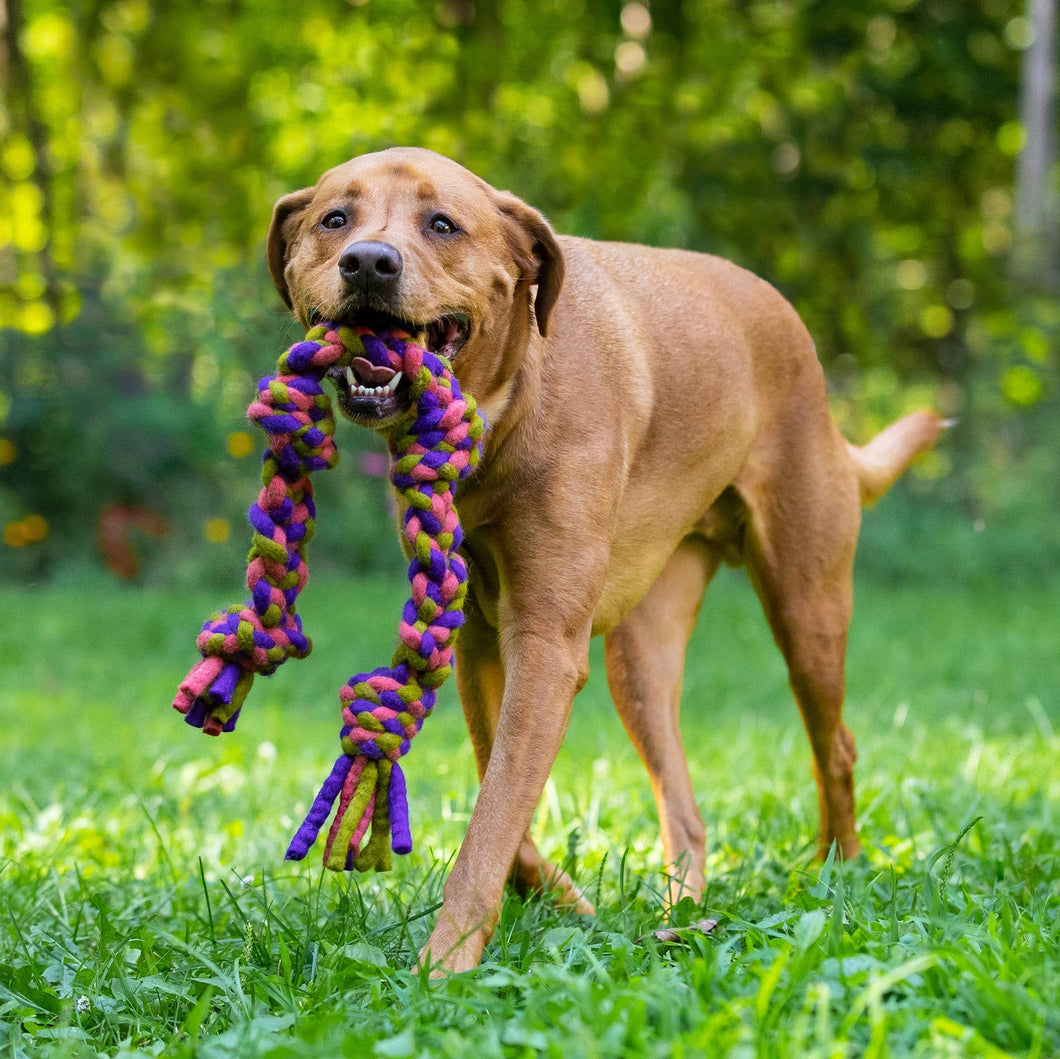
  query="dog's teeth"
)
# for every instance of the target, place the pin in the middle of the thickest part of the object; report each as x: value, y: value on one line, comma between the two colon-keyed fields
x: 360, y: 390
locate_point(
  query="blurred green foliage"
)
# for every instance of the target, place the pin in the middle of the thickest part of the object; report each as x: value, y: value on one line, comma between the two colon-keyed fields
x: 858, y: 156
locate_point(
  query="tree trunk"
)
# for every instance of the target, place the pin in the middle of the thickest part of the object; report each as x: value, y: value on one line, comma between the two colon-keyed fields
x: 1036, y: 169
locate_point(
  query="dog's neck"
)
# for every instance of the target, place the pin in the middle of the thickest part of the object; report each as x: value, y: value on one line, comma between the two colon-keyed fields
x: 518, y: 357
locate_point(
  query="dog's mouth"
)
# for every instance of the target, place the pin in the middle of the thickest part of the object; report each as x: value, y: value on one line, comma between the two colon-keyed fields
x: 372, y: 394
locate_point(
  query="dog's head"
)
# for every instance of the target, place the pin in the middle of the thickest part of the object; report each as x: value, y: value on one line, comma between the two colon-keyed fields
x: 409, y: 239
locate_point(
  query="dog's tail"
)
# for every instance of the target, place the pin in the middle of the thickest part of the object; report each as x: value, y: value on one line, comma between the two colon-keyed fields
x: 880, y: 463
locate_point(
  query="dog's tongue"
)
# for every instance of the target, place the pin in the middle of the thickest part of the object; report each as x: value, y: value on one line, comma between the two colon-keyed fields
x: 369, y: 374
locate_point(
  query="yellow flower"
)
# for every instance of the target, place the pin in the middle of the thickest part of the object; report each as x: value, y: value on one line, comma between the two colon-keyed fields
x: 240, y: 444
x: 217, y: 530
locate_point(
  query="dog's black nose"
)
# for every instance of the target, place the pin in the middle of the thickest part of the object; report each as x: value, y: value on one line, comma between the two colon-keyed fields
x: 373, y: 267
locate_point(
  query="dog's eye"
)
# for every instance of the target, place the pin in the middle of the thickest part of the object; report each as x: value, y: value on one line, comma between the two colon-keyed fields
x: 334, y: 219
x: 441, y: 225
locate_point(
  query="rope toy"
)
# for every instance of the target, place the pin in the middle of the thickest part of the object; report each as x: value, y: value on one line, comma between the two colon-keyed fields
x: 433, y: 446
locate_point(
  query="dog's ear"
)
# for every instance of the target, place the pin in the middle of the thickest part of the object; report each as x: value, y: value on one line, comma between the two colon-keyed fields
x: 536, y: 252
x: 284, y: 215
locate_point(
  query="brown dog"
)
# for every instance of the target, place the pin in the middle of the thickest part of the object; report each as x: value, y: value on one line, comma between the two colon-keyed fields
x: 652, y: 413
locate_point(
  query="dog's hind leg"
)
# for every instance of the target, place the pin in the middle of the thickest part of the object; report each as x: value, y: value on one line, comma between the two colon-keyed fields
x: 803, y: 519
x: 480, y: 681
x: 645, y: 663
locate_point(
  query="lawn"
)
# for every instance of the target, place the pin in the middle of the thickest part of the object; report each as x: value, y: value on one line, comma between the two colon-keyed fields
x: 145, y: 908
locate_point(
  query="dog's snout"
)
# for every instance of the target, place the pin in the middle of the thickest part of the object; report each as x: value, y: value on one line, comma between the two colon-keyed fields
x: 370, y: 265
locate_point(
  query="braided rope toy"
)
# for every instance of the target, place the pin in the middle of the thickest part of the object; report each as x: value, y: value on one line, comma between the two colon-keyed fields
x: 433, y: 446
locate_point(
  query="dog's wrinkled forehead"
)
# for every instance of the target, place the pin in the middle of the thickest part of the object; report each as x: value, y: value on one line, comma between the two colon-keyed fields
x: 386, y: 186
x: 415, y: 235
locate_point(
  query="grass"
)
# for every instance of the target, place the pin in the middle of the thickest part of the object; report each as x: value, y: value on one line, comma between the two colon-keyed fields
x: 145, y: 908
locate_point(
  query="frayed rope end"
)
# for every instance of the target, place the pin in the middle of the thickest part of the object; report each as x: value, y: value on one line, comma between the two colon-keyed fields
x: 372, y: 801
x: 212, y: 695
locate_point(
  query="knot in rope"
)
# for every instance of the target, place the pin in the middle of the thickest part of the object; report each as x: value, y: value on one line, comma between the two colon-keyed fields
x: 434, y: 445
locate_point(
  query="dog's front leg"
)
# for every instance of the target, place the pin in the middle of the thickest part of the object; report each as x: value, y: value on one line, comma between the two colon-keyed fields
x: 545, y: 666
x: 480, y: 680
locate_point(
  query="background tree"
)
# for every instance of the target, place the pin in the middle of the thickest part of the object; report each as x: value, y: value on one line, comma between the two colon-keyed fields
x: 1036, y: 198
x: 862, y: 158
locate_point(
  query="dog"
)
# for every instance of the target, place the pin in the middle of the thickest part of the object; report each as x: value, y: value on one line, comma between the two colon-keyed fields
x: 652, y: 414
